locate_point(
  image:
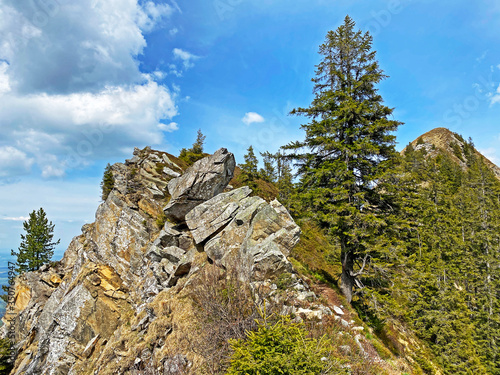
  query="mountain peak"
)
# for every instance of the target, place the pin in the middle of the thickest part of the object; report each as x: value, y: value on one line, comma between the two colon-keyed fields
x: 443, y: 140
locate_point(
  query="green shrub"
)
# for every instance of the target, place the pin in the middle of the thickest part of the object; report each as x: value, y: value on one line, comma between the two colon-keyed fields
x: 5, y: 356
x: 190, y: 157
x: 280, y: 348
x: 195, y: 153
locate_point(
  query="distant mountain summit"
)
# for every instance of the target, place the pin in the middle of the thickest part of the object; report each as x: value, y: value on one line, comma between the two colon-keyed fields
x: 442, y: 140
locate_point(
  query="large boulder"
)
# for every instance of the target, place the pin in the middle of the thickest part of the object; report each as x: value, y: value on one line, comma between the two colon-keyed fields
x: 207, y: 218
x: 248, y: 231
x: 203, y: 180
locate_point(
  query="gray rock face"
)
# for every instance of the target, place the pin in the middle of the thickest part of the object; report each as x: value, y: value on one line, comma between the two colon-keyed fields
x: 206, y: 218
x: 203, y: 180
x: 258, y: 234
x: 227, y: 243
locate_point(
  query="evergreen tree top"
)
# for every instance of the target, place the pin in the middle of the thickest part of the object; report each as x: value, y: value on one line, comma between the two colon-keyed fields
x: 37, y: 246
x: 350, y: 125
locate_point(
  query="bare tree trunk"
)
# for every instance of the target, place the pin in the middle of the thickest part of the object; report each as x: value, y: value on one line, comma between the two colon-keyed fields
x: 346, y: 279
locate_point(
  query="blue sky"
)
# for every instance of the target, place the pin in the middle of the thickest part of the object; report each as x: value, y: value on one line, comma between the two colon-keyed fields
x: 82, y: 83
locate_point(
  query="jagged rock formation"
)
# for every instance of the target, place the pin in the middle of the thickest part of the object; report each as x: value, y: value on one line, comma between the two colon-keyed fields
x: 118, y: 301
x: 453, y: 144
x: 204, y: 180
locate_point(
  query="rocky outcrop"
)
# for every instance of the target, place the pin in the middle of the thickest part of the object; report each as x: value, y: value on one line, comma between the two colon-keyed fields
x: 202, y: 181
x: 118, y: 302
x: 209, y: 217
x: 259, y: 235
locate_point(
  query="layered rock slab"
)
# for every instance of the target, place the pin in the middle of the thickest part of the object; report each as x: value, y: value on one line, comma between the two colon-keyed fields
x: 208, y: 217
x: 248, y: 230
x: 202, y: 181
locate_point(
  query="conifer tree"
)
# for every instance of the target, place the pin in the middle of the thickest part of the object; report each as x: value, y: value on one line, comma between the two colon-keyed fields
x: 284, y: 178
x: 195, y: 153
x: 198, y: 144
x: 249, y: 169
x: 107, y: 183
x: 268, y: 173
x: 348, y: 146
x: 37, y: 246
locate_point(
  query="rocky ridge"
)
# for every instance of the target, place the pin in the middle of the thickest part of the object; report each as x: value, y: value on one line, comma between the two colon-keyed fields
x: 120, y: 299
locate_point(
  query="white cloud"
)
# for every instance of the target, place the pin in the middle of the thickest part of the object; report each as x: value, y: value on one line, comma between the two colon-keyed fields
x: 169, y: 127
x: 4, y: 78
x: 58, y: 132
x: 186, y: 57
x: 495, y: 98
x: 173, y: 31
x: 69, y: 98
x: 98, y: 47
x: 20, y: 218
x: 152, y: 13
x: 252, y: 117
x: 159, y: 75
x: 14, y: 162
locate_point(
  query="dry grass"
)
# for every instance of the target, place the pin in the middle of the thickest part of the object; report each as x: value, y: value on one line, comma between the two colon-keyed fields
x: 224, y: 310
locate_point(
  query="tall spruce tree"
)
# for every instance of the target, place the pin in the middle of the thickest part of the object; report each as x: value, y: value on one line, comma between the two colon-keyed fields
x: 347, y: 148
x: 37, y: 246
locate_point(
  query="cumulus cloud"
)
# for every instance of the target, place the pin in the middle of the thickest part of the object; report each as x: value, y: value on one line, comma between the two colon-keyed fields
x: 186, y: 57
x: 68, y: 131
x: 79, y: 46
x: 4, y: 78
x: 152, y: 13
x: 71, y: 90
x: 169, y: 127
x: 252, y: 117
x: 14, y: 162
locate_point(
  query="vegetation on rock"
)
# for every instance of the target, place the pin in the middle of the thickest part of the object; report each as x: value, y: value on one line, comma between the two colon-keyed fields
x: 195, y: 153
x: 280, y: 348
x: 5, y: 356
x: 108, y: 182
